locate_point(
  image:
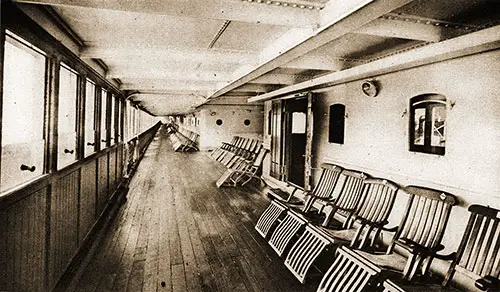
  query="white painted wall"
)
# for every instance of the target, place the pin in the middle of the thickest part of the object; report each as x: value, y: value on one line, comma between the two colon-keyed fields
x: 233, y: 117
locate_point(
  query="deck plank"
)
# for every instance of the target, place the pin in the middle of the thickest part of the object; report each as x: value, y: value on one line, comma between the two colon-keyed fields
x: 179, y: 232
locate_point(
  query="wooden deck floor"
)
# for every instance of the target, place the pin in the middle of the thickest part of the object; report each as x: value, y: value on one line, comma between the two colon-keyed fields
x: 178, y: 232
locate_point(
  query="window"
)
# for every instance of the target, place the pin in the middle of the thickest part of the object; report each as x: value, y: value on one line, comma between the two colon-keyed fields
x: 23, y: 113
x: 104, y: 104
x: 89, y: 118
x: 247, y: 122
x: 299, y: 123
x: 219, y: 122
x: 67, y: 125
x: 337, y: 124
x: 428, y: 124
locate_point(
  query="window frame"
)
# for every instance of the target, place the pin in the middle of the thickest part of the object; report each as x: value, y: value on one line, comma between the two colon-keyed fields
x: 427, y: 102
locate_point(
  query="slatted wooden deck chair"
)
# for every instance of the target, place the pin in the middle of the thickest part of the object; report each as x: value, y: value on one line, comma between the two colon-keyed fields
x: 350, y: 273
x: 477, y: 257
x: 372, y: 212
x: 346, y: 196
x: 233, y: 151
x: 229, y: 149
x: 370, y: 216
x: 244, y: 172
x: 311, y: 244
x: 270, y: 218
x: 419, y: 232
x: 286, y: 230
x: 224, y: 145
x: 321, y: 192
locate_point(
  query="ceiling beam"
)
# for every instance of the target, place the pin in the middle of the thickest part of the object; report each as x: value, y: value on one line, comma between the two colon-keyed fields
x: 162, y: 53
x: 339, y: 27
x: 145, y: 74
x: 283, y: 79
x: 316, y: 62
x: 399, y: 28
x: 233, y: 10
x: 473, y: 43
x: 257, y: 88
x: 169, y: 85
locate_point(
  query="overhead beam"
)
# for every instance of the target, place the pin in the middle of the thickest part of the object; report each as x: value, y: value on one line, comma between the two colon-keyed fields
x: 283, y: 79
x: 144, y: 73
x: 316, y: 62
x: 242, y: 11
x: 169, y: 85
x: 342, y: 25
x: 257, y: 88
x: 162, y: 53
x: 399, y: 28
x: 473, y: 43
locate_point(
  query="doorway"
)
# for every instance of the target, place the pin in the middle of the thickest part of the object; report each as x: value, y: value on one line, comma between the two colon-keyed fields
x: 296, y: 140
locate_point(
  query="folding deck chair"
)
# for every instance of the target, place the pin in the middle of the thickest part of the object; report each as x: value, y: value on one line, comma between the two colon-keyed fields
x: 376, y: 203
x: 244, y: 171
x: 350, y: 273
x: 419, y: 232
x: 270, y: 218
x: 286, y: 230
x: 321, y: 192
x: 477, y: 257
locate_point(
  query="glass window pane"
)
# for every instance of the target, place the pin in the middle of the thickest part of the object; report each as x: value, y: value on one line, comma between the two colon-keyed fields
x: 298, y: 123
x: 104, y: 99
x: 23, y: 114
x: 438, y: 125
x: 89, y: 118
x: 66, y: 153
x: 419, y: 126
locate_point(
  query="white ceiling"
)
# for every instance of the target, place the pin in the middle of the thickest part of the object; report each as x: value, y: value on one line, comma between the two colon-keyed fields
x: 172, y: 55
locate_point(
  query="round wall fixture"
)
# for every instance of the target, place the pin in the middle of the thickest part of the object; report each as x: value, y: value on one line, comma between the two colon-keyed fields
x: 218, y: 122
x: 370, y: 88
x: 246, y: 122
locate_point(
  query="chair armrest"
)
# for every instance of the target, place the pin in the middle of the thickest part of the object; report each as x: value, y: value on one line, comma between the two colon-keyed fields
x: 390, y: 229
x: 488, y: 283
x: 446, y: 257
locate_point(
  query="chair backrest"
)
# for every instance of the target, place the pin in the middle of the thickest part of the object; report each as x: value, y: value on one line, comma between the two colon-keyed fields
x: 285, y: 231
x: 478, y: 253
x: 269, y: 217
x: 351, y: 190
x: 425, y: 217
x: 260, y: 157
x: 330, y: 174
x: 349, y: 272
x: 377, y: 200
x: 306, y: 250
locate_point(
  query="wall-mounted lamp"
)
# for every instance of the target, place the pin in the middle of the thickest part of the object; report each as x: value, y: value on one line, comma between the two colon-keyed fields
x: 212, y: 113
x: 370, y: 88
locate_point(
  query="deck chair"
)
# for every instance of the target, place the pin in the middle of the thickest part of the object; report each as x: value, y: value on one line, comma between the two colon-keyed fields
x: 286, y: 230
x: 419, y: 232
x: 377, y: 200
x: 270, y: 218
x: 223, y: 147
x: 243, y: 173
x: 346, y: 196
x: 311, y: 244
x: 477, y: 256
x: 350, y: 273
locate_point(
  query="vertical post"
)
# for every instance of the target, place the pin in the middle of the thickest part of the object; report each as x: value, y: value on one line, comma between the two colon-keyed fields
x: 80, y: 117
x: 5, y: 274
x: 52, y: 106
x: 309, y: 142
x: 109, y: 97
x: 97, y: 118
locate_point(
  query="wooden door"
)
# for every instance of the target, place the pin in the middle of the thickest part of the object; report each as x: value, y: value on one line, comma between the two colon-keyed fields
x: 295, y: 141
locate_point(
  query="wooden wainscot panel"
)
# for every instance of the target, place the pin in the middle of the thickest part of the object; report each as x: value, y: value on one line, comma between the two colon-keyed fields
x: 24, y: 234
x: 63, y: 224
x: 112, y: 170
x: 88, y: 204
x: 102, y: 184
x: 119, y: 164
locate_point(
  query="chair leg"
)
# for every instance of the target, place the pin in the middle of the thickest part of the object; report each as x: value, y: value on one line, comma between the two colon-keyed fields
x: 308, y: 203
x: 328, y: 210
